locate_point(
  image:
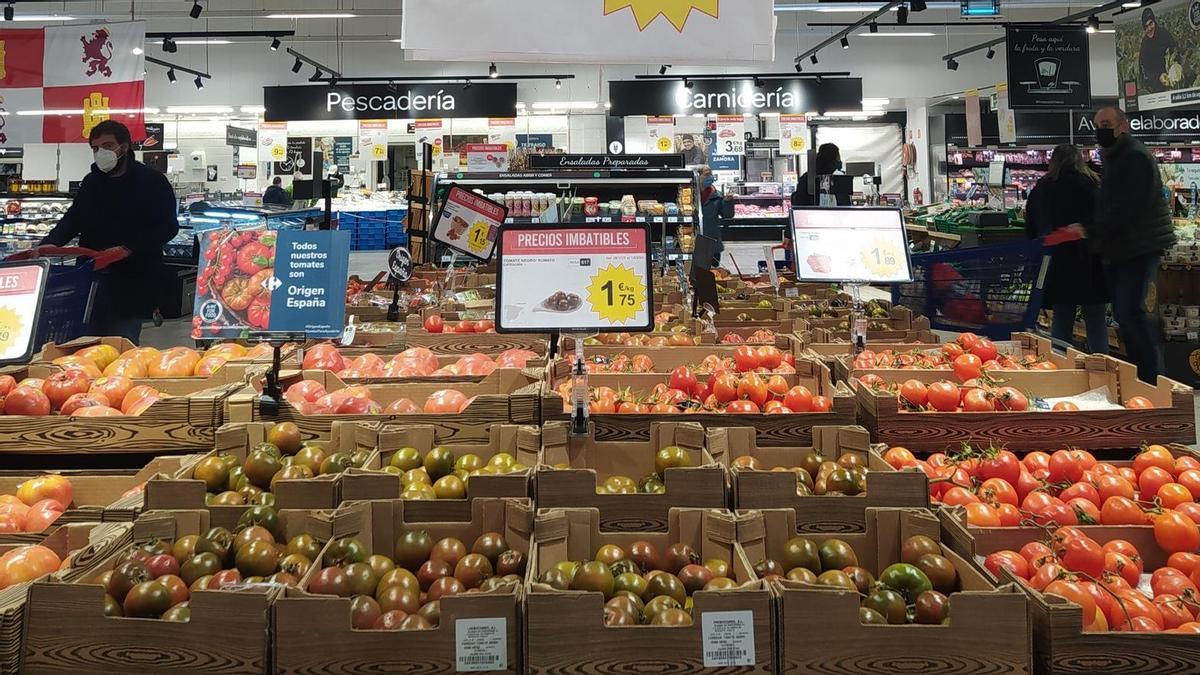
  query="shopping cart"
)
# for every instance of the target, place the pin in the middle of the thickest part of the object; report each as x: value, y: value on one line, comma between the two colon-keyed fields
x: 66, y: 311
x: 990, y: 290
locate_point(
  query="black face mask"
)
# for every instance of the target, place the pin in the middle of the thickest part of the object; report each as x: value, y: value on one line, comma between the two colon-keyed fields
x: 1106, y: 137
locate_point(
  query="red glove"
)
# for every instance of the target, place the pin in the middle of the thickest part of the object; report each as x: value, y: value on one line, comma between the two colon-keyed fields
x: 109, y: 256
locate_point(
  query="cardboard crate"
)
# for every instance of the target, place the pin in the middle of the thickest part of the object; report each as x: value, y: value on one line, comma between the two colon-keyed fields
x: 665, y: 359
x: 690, y: 329
x: 504, y: 397
x: 469, y: 343
x: 773, y: 430
x: 746, y: 329
x: 85, y: 544
x: 313, y: 634
x: 1021, y: 346
x: 180, y: 491
x: 1059, y: 643
x: 819, y: 631
x: 565, y: 630
x: 1172, y: 420
x: 229, y: 631
x: 371, y: 482
x: 592, y: 460
x: 765, y: 489
x: 239, y: 366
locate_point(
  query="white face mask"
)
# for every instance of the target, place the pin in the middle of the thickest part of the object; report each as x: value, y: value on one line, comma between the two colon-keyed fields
x: 106, y: 160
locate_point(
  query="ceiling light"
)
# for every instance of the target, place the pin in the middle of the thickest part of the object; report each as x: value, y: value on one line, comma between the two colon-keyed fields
x: 558, y: 84
x: 194, y: 42
x: 688, y: 84
x: 493, y: 72
x: 1093, y: 24
x: 198, y: 109
x: 312, y: 15
x: 663, y: 70
x: 1132, y: 5
x: 875, y: 102
x: 991, y: 53
x: 565, y: 105
x: 952, y: 64
x: 758, y: 83
x: 199, y: 82
x: 820, y: 79
x: 799, y: 68
x: 253, y: 109
x: 171, y: 76
x: 845, y: 42
x: 902, y: 15
x: 168, y: 45
x: 918, y: 5
x: 333, y: 80
x: 275, y: 44
x: 137, y: 50
x: 43, y: 17
x: 316, y: 76
x: 607, y: 105
x: 467, y: 85
x: 398, y: 41
x: 813, y: 58
x: 9, y: 12
x: 873, y: 27
x: 196, y: 10
x: 956, y: 97
x: 297, y: 65
x: 898, y: 34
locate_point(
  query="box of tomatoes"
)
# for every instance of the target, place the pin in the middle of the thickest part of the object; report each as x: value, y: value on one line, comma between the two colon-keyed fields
x: 467, y: 336
x: 1102, y: 405
x: 829, y: 484
x: 393, y: 593
x: 637, y: 600
x: 844, y: 599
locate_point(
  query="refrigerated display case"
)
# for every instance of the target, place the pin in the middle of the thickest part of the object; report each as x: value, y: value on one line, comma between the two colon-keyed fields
x: 28, y: 218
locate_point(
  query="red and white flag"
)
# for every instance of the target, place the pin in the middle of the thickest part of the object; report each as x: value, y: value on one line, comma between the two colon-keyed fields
x: 57, y: 83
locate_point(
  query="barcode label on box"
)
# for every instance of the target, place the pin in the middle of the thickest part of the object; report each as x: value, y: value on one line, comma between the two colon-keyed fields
x: 791, y: 292
x: 481, y: 644
x: 728, y: 638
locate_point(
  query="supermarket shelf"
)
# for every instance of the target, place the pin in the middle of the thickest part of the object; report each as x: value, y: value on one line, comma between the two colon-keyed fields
x: 605, y: 220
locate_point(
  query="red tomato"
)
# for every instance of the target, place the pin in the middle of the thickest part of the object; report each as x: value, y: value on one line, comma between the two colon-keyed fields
x: 324, y: 357
x: 1190, y: 479
x: 821, y: 404
x: 434, y: 323
x: 1138, y: 403
x: 1003, y: 464
x: 943, y: 396
x: 1036, y: 460
x: 43, y: 514
x: 984, y: 349
x: 798, y: 399
x: 1152, y: 479
x: 446, y: 401
x: 746, y: 358
x: 753, y: 388
x: 62, y: 385
x: 1173, y: 494
x: 1010, y: 516
x: 777, y: 387
x: 1175, y: 611
x: 1076, y: 593
x: 1184, y: 562
x: 967, y: 366
x: 769, y: 357
x: 1044, y: 575
x: 25, y: 400
x: 78, y: 401
x: 26, y: 563
x: 1064, y: 406
x: 1176, y: 532
x: 743, y: 407
x: 1113, y: 486
x: 1055, y: 512
x: 998, y: 491
x: 307, y: 391
x: 981, y: 515
x: 899, y: 458
x: 1082, y: 554
x: 1026, y: 485
x: 1011, y: 398
x: 401, y: 406
x: 1168, y: 580
x: 914, y: 392
x: 683, y: 379
x: 1009, y: 560
x: 1132, y: 607
x: 1121, y: 511
x: 725, y: 388
x: 967, y: 340
x: 1036, y: 554
x: 1086, y: 511
x: 1081, y: 490
x: 1065, y: 467
x: 977, y: 400
x: 959, y: 496
x: 1154, y: 455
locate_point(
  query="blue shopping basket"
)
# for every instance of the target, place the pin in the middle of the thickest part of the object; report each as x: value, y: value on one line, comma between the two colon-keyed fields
x: 66, y: 311
x: 990, y: 290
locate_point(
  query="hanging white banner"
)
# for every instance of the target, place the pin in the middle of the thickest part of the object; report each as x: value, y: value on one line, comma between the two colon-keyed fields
x: 272, y: 141
x: 373, y: 139
x: 503, y: 130
x: 731, y: 135
x: 793, y: 135
x: 1005, y: 116
x: 592, y: 31
x: 660, y: 134
x: 429, y: 131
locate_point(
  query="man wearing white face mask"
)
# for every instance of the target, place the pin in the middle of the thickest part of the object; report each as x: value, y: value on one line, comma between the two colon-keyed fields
x: 127, y: 211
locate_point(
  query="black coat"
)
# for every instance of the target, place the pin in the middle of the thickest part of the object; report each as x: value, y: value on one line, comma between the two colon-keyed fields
x: 1076, y: 275
x: 276, y: 195
x: 136, y: 210
x: 1132, y: 218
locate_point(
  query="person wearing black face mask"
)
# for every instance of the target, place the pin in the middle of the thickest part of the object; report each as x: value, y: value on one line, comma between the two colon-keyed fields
x: 827, y: 163
x: 1131, y: 229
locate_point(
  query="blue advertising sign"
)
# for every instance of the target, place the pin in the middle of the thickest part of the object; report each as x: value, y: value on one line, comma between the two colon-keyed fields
x: 720, y: 162
x: 535, y: 141
x: 276, y: 281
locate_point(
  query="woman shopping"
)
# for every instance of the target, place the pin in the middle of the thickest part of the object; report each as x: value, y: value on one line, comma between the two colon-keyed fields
x: 1066, y: 196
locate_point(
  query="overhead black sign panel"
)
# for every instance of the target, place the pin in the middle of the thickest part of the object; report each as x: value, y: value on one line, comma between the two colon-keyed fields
x: 237, y: 136
x: 734, y: 96
x: 1166, y: 126
x: 384, y: 101
x: 1048, y: 68
x: 606, y: 162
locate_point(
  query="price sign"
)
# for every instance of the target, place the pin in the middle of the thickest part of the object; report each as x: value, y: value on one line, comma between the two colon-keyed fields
x: 574, y: 279
x: 866, y: 245
x: 731, y: 135
x: 400, y: 264
x: 469, y: 223
x: 22, y: 285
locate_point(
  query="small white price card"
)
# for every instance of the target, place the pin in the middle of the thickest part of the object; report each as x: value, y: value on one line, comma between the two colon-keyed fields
x: 866, y: 245
x: 480, y: 644
x: 728, y: 638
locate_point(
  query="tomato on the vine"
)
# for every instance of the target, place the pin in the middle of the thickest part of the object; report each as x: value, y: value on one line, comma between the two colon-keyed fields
x: 967, y: 366
x: 943, y: 396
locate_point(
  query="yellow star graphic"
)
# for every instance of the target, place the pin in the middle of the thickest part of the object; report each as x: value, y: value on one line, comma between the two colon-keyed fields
x: 676, y: 11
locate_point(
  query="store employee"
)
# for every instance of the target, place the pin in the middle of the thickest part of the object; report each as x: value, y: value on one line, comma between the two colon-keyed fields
x: 127, y: 211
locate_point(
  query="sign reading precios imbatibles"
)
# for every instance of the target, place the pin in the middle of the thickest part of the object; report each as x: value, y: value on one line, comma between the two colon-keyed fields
x: 564, y: 279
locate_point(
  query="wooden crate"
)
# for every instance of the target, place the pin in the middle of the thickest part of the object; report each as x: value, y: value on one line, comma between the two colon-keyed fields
x: 1172, y: 420
x: 52, y: 350
x: 592, y: 460
x: 180, y: 491
x: 900, y: 324
x: 565, y: 631
x: 85, y: 544
x: 313, y: 634
x: 745, y: 329
x: 469, y: 343
x: 665, y: 359
x: 371, y: 482
x: 765, y: 489
x: 773, y: 430
x: 506, y: 397
x: 819, y: 631
x: 1021, y: 346
x: 229, y: 631
x: 1059, y: 643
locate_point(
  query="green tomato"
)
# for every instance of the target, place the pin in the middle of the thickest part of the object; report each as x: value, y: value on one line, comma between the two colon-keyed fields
x: 907, y: 579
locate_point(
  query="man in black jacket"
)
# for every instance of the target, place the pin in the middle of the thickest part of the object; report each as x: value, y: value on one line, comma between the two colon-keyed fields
x: 127, y: 211
x: 276, y: 195
x: 1131, y: 229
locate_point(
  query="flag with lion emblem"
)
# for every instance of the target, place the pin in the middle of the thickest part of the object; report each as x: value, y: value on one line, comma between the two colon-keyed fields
x: 88, y: 72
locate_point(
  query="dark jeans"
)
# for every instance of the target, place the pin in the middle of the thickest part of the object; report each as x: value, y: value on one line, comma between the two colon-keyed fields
x: 1063, y: 326
x: 118, y: 327
x: 1129, y: 283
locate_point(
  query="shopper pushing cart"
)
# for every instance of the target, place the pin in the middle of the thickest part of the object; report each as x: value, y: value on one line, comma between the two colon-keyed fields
x: 126, y: 211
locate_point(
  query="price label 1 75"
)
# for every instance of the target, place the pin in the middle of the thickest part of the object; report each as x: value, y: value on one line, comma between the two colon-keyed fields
x: 617, y: 294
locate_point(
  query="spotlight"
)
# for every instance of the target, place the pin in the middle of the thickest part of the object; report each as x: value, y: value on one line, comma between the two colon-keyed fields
x: 845, y: 42
x: 758, y: 83
x: 558, y: 84
x: 1093, y: 24
x: 199, y: 82
x: 316, y: 76
x: 799, y: 68
x: 169, y: 45
x: 333, y: 80
x: 467, y: 85
x: 663, y: 70
x: 493, y: 72
x: 196, y: 9
x: 275, y: 44
x: 951, y: 64
x: 9, y: 12
x: 820, y: 79
x: 873, y: 27
x: 688, y: 84
x: 171, y: 76
x: 813, y: 58
x: 918, y: 5
x: 297, y: 65
x: 991, y: 53
x: 902, y: 15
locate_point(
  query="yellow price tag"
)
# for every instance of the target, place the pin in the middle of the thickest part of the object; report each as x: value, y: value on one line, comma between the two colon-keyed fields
x: 477, y: 236
x: 379, y: 152
x: 11, y: 329
x: 664, y: 144
x: 617, y: 294
x: 882, y: 258
x: 798, y: 143
x: 278, y: 152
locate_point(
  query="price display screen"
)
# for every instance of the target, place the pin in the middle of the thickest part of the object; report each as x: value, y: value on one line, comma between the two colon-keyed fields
x: 468, y: 223
x: 866, y: 245
x: 552, y: 279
